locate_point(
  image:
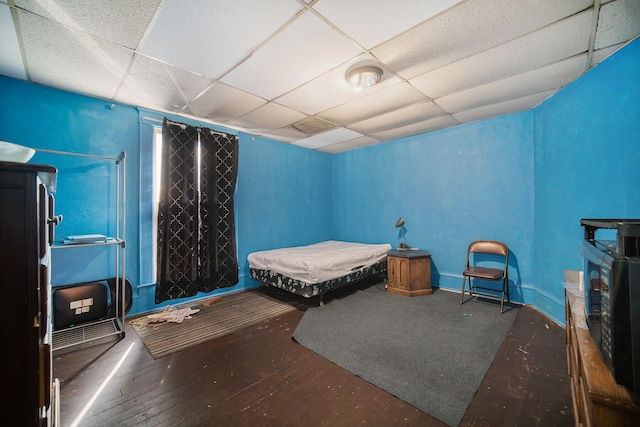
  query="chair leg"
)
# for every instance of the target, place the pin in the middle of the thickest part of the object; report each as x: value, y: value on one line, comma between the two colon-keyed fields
x: 506, y: 285
x: 464, y: 283
x: 504, y: 289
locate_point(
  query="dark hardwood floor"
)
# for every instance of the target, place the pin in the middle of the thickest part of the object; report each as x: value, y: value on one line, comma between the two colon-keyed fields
x: 259, y: 376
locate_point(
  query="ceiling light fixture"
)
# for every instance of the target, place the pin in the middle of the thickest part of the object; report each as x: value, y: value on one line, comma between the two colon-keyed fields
x: 363, y: 77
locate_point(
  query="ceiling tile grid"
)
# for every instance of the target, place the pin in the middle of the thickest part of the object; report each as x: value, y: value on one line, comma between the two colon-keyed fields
x: 373, y: 104
x: 467, y: 29
x: 601, y: 54
x: 331, y: 88
x: 286, y: 134
x: 347, y: 145
x: 151, y: 83
x: 552, y: 76
x: 618, y: 22
x: 328, y: 138
x: 522, y: 54
x: 268, y: 117
x: 416, y: 128
x: 414, y: 113
x: 505, y: 107
x: 10, y: 57
x: 277, y: 68
x: 307, y: 48
x: 221, y: 103
x: 212, y: 37
x: 69, y: 59
x: 391, y: 17
x: 122, y: 22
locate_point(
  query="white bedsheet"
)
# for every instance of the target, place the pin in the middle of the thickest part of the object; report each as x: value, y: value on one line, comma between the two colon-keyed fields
x: 319, y: 262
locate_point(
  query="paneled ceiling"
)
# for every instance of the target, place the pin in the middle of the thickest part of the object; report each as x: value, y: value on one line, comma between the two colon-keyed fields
x: 277, y: 67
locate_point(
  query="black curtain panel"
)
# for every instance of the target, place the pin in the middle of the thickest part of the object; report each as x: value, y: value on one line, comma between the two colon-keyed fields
x: 196, y: 229
x: 218, y: 258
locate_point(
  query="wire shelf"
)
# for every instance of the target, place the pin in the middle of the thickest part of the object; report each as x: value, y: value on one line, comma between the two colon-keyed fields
x: 82, y: 334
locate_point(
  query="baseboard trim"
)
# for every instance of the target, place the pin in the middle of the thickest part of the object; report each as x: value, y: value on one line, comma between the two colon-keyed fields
x: 545, y: 302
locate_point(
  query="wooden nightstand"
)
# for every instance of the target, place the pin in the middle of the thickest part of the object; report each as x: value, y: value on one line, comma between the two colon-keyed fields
x: 409, y: 272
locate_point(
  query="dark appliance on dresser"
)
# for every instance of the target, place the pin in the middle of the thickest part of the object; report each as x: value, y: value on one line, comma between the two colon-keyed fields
x: 27, y: 221
x: 612, y: 294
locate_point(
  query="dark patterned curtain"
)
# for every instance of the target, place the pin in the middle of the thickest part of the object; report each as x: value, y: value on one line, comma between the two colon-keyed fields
x: 196, y: 230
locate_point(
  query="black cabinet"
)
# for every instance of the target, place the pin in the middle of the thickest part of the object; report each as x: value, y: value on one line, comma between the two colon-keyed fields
x: 27, y: 221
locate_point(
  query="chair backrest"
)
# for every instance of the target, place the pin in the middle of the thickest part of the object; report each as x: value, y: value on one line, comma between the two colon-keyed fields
x: 489, y: 247
x: 492, y: 247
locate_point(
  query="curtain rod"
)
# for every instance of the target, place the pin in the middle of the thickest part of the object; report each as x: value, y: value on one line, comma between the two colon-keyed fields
x: 183, y: 125
x: 68, y: 153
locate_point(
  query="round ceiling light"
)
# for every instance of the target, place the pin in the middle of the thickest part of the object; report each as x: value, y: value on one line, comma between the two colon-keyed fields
x: 363, y: 77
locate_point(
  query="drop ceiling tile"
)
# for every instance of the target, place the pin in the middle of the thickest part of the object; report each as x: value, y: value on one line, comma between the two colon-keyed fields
x: 569, y: 37
x: 458, y: 60
x: 398, y: 118
x: 327, y: 138
x: 370, y: 23
x: 331, y: 88
x: 374, y: 104
x: 469, y: 28
x: 266, y: 118
x: 352, y: 144
x: 301, y: 52
x: 618, y: 22
x: 209, y: 38
x: 224, y: 103
x: 507, y: 107
x: 285, y: 134
x: 10, y: 57
x: 121, y: 21
x: 601, y: 54
x: 552, y: 76
x: 71, y: 60
x: 416, y: 128
x: 153, y: 84
x: 312, y: 125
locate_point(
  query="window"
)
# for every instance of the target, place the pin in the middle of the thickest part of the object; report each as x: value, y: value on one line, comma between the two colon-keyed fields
x: 157, y: 169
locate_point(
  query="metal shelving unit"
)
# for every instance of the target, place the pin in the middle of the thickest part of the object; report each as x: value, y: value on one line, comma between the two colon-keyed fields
x: 112, y: 326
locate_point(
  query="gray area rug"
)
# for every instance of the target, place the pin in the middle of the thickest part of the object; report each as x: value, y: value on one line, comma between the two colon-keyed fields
x: 231, y: 313
x: 429, y: 351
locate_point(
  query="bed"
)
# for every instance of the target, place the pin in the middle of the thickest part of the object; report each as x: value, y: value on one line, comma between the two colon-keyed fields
x: 315, y: 269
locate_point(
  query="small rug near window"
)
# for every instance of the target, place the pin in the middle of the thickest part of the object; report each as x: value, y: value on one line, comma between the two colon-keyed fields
x: 231, y: 313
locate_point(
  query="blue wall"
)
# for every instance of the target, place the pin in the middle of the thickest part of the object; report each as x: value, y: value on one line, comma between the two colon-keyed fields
x: 283, y: 197
x: 44, y: 118
x: 525, y: 178
x: 587, y: 163
x: 282, y: 192
x: 451, y: 186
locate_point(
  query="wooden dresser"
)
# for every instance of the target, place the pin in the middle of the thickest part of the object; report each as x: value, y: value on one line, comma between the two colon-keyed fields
x: 26, y: 233
x: 597, y: 399
x: 409, y: 272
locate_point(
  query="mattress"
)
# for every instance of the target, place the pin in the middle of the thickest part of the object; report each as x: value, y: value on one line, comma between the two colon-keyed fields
x: 319, y: 262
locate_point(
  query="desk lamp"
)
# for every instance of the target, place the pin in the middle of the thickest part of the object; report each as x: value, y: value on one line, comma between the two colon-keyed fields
x: 403, y: 243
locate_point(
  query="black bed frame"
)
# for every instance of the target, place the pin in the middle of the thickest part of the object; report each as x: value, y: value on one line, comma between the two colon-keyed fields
x: 309, y: 290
